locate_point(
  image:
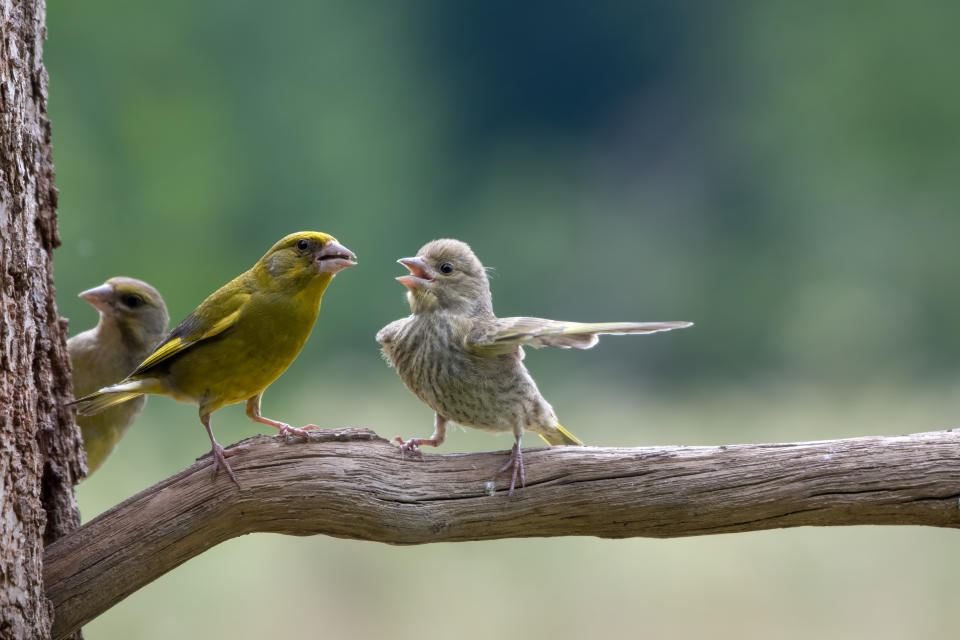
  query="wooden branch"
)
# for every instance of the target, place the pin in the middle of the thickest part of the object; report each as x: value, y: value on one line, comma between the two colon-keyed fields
x: 353, y: 484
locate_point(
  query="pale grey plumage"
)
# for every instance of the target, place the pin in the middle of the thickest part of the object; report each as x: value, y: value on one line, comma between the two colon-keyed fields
x: 133, y: 319
x: 467, y: 364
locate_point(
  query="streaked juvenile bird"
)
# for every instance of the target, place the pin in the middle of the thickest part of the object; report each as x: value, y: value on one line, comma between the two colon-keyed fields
x: 240, y: 339
x: 467, y: 364
x: 133, y: 320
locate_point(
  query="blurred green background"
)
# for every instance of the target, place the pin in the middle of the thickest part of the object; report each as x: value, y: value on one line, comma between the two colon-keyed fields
x: 783, y: 174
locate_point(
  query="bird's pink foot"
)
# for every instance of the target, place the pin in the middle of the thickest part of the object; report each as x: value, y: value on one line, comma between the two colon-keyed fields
x: 516, y: 464
x: 284, y: 429
x: 220, y: 456
x: 413, y: 445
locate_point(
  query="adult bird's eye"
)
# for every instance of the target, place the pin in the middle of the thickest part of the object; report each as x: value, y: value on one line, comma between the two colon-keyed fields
x: 302, y: 245
x: 446, y: 268
x: 132, y: 300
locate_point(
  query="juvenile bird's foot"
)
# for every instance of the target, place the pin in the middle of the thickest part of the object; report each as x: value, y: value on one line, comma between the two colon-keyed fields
x: 413, y: 444
x: 220, y: 456
x: 516, y: 463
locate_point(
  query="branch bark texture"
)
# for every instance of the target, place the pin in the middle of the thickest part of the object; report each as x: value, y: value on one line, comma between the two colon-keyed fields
x: 353, y: 484
x: 40, y: 453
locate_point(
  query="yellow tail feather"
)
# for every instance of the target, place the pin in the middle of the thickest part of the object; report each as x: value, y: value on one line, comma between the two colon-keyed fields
x: 100, y: 401
x: 560, y: 436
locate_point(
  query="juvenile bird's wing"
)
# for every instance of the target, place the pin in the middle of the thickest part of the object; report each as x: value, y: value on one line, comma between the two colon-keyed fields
x: 503, y: 335
x: 215, y: 315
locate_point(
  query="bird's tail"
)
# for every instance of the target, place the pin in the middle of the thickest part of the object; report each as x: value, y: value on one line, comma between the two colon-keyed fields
x: 108, y: 396
x: 560, y: 436
x: 101, y: 401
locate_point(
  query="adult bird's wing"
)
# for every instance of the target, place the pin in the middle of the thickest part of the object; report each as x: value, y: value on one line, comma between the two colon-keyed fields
x: 503, y: 335
x: 215, y: 315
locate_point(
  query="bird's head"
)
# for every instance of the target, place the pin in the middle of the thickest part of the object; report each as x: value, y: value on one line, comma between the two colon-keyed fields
x: 135, y: 307
x: 446, y: 275
x: 300, y: 257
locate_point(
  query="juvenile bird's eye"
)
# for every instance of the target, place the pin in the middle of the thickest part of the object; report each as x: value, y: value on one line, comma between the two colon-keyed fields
x: 132, y: 300
x: 446, y: 268
x: 302, y: 245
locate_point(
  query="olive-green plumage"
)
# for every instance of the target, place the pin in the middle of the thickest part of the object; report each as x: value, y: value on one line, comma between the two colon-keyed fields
x: 241, y: 338
x: 133, y: 320
x: 467, y: 364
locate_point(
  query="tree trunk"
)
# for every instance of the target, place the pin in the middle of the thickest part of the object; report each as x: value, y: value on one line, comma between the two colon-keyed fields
x: 40, y: 453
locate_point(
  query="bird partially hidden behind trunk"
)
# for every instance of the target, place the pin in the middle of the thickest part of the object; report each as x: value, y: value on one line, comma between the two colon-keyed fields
x: 240, y: 339
x: 467, y: 364
x: 133, y: 320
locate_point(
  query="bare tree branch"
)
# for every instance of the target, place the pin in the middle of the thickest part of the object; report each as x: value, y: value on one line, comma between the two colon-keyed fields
x: 353, y: 484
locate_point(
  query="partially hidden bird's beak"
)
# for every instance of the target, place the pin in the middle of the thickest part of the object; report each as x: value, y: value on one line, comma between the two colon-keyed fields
x: 419, y: 278
x: 99, y: 297
x: 335, y: 257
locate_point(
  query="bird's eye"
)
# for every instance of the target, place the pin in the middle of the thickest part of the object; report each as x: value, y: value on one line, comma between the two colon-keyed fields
x: 132, y: 300
x: 446, y: 268
x: 302, y: 245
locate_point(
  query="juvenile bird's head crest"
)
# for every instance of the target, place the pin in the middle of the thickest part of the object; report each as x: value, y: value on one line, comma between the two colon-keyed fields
x: 446, y: 275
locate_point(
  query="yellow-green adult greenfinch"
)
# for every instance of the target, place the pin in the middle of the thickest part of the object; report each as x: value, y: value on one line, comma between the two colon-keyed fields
x: 133, y: 320
x: 241, y: 338
x: 466, y: 363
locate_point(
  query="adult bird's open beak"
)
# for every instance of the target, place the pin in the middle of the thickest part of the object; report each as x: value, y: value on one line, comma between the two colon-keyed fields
x: 335, y: 257
x: 419, y: 278
x: 99, y: 297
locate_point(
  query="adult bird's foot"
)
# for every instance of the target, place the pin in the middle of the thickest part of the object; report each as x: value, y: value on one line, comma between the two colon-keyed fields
x: 283, y: 428
x: 253, y: 412
x: 516, y: 463
x: 220, y: 456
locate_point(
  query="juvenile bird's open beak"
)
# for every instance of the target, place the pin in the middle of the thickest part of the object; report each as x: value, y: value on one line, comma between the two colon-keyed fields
x: 99, y: 297
x: 335, y: 257
x: 419, y: 278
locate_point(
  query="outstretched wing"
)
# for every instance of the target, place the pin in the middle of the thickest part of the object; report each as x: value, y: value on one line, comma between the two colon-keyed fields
x: 505, y: 334
x: 214, y: 316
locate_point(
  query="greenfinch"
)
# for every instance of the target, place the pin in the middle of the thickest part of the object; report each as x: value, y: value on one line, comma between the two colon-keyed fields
x: 240, y: 339
x: 133, y: 320
x: 466, y: 364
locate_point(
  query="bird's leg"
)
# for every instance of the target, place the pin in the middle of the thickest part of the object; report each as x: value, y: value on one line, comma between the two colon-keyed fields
x: 253, y: 412
x: 220, y: 455
x: 516, y: 463
x: 439, y: 435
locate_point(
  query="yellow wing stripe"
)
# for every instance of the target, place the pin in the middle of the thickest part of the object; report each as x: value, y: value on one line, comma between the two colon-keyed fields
x: 163, y: 352
x: 172, y: 347
x: 222, y: 325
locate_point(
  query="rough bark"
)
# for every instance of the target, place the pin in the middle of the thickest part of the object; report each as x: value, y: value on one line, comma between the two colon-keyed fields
x: 352, y: 484
x: 40, y: 453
